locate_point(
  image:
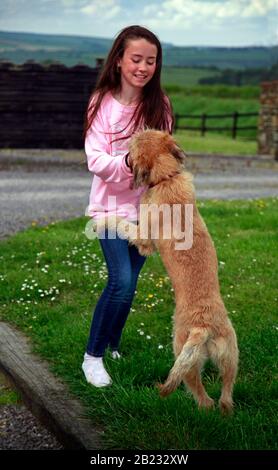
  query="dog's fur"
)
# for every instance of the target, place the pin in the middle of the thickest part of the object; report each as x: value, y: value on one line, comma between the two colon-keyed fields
x: 202, y: 328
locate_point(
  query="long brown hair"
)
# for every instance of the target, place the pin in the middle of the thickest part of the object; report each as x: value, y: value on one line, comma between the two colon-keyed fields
x: 153, y: 109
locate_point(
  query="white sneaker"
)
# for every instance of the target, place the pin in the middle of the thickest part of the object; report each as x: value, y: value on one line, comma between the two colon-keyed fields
x: 95, y: 372
x: 116, y: 355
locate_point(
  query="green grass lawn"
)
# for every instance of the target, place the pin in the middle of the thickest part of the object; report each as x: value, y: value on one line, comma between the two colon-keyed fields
x: 51, y: 278
x: 213, y: 143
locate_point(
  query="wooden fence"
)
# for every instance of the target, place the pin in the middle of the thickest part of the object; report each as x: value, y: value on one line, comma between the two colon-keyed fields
x: 203, y: 127
x: 44, y: 107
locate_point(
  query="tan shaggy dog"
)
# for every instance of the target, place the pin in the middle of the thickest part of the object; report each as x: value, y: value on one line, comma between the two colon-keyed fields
x: 202, y: 328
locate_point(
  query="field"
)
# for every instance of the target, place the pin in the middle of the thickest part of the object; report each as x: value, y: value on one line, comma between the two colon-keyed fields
x: 184, y: 76
x: 215, y: 143
x: 51, y: 277
x: 216, y: 100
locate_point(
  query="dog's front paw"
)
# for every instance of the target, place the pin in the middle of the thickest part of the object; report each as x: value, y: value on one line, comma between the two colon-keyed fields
x: 145, y: 250
x: 127, y: 230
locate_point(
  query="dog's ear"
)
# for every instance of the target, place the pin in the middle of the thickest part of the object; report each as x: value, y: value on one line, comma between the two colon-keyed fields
x: 178, y: 153
x: 140, y: 177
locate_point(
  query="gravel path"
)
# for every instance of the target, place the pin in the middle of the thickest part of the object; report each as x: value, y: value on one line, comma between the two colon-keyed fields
x: 41, y: 196
x: 20, y: 430
x: 44, y: 194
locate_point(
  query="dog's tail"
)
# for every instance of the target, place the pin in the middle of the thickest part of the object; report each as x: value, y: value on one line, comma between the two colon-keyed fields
x: 188, y: 357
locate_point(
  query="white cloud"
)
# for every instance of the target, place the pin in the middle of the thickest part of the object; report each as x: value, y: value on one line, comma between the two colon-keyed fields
x: 89, y: 9
x: 172, y: 10
x: 105, y: 8
x: 218, y: 16
x: 260, y: 8
x: 113, y: 12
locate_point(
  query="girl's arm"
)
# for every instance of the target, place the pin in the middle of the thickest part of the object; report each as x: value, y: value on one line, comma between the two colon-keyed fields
x: 100, y: 162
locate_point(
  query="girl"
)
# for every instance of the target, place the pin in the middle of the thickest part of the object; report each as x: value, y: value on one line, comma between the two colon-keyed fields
x: 127, y: 97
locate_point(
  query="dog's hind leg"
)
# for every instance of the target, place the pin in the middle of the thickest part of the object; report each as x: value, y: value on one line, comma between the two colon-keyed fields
x: 191, y: 354
x: 193, y: 381
x: 225, y: 356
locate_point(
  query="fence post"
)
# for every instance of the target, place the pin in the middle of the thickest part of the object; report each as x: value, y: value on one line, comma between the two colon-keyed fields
x: 234, y: 128
x: 203, y: 124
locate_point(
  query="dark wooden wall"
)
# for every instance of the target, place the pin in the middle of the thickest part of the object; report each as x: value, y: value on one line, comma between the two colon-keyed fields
x: 44, y: 107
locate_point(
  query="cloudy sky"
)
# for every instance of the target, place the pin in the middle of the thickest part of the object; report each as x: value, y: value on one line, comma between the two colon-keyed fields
x: 181, y: 22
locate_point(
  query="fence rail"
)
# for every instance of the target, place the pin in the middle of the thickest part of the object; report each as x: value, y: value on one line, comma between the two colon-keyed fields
x: 203, y: 127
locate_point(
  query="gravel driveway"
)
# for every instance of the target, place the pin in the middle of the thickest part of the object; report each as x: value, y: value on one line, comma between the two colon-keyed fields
x: 50, y: 193
x: 41, y: 195
x: 20, y: 430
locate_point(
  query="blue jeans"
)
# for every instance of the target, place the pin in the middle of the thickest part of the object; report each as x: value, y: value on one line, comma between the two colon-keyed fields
x: 124, y: 264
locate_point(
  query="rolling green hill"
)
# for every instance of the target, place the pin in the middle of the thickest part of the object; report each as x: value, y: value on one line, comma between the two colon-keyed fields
x: 71, y: 50
x: 186, y: 76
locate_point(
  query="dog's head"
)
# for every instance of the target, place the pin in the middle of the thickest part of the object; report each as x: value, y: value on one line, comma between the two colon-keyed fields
x: 154, y: 156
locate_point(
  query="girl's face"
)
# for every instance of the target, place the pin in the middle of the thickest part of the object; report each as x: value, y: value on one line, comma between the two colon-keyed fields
x: 138, y: 63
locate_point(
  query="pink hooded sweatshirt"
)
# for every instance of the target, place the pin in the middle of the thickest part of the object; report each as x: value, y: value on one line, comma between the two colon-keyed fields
x: 110, y: 191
